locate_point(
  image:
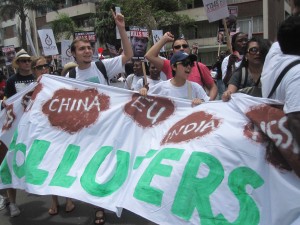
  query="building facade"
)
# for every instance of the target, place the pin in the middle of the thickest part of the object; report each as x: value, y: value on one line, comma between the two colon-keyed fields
x: 263, y: 16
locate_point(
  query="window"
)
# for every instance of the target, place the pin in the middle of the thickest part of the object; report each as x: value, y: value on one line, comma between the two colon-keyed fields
x: 245, y: 23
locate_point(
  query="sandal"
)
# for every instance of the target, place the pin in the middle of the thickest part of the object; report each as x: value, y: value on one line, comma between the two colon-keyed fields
x: 53, y: 212
x: 99, y: 217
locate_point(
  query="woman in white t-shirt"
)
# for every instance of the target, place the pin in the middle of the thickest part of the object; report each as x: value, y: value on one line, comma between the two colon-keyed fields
x: 179, y: 86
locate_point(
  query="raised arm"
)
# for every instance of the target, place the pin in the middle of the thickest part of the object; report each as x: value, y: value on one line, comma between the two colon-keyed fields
x: 153, y: 52
x: 127, y: 50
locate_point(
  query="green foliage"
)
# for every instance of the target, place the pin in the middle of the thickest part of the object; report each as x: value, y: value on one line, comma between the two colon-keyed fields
x: 151, y: 14
x: 9, y: 8
x: 63, y: 26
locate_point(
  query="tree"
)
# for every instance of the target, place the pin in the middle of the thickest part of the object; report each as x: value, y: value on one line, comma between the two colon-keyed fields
x: 63, y: 26
x: 151, y: 14
x: 20, y: 8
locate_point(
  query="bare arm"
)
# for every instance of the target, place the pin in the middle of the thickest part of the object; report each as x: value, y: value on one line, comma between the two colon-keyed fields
x: 127, y: 50
x: 227, y: 94
x: 152, y: 54
x: 213, y: 91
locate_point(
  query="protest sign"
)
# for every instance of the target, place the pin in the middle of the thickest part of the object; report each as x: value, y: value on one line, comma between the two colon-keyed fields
x: 9, y: 54
x: 157, y: 157
x: 215, y: 9
x: 139, y: 41
x: 66, y: 55
x: 157, y: 35
x: 48, y: 42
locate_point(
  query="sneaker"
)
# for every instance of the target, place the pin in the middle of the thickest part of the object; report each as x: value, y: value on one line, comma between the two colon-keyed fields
x: 3, y: 202
x: 14, y: 210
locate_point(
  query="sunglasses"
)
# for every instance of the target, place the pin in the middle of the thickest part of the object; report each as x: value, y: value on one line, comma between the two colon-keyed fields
x: 186, y: 63
x: 24, y: 60
x: 180, y: 46
x: 253, y: 50
x: 41, y: 67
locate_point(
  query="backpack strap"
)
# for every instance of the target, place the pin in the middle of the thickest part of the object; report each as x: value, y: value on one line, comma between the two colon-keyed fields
x: 189, y: 86
x: 100, y: 66
x: 72, y: 73
x: 281, y: 75
x: 200, y: 73
x: 102, y: 69
x: 244, y: 77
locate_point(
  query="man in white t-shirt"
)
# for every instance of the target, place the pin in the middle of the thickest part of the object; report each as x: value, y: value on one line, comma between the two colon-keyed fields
x: 281, y: 54
x: 87, y: 70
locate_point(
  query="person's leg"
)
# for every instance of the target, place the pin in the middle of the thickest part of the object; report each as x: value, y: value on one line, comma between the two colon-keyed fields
x: 14, y: 209
x: 69, y: 205
x: 54, y: 206
x: 3, y: 202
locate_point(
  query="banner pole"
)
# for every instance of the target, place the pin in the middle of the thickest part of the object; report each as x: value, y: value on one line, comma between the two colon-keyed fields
x: 228, y: 38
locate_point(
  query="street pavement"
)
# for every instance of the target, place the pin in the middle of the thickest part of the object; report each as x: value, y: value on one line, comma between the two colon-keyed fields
x: 34, y: 211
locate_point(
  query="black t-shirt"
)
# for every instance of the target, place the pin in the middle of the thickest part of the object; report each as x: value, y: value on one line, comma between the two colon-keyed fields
x: 16, y: 83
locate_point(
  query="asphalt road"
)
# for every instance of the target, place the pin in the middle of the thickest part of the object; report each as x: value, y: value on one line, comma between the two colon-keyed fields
x: 34, y: 211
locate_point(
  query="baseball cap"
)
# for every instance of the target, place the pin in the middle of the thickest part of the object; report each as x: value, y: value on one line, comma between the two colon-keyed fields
x: 180, y: 56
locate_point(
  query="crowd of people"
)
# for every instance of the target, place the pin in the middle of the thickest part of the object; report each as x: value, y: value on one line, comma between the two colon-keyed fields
x: 256, y: 67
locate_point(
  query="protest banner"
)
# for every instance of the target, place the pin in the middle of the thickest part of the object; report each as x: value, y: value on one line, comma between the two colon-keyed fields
x: 139, y: 41
x: 157, y: 157
x: 66, y: 55
x: 48, y: 42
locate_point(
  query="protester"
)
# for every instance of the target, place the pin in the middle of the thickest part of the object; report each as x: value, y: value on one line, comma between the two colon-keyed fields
x: 249, y: 72
x: 199, y: 74
x: 139, y: 46
x: 23, y: 77
x: 40, y: 66
x: 179, y: 87
x: 218, y: 77
x: 16, y: 83
x: 281, y: 55
x: 88, y: 71
x: 132, y: 79
x: 233, y: 61
x: 152, y: 79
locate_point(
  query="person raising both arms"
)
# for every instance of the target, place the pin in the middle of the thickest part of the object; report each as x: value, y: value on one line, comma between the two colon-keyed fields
x: 199, y: 72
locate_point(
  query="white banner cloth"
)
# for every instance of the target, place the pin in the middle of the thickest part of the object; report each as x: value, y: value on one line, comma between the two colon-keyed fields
x: 157, y: 157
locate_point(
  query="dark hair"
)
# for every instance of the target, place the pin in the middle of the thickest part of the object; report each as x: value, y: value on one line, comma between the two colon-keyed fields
x: 288, y: 35
x: 297, y: 3
x: 233, y: 39
x: 73, y: 47
x: 180, y: 38
x: 264, y: 47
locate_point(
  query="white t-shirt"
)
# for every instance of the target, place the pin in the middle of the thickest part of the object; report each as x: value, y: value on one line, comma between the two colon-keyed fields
x: 113, y: 66
x: 225, y: 63
x: 288, y: 89
x: 151, y: 83
x: 131, y: 82
x: 166, y: 88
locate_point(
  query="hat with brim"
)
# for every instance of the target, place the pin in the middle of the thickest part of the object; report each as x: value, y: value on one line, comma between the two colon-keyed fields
x: 20, y: 54
x: 180, y: 56
x: 68, y: 66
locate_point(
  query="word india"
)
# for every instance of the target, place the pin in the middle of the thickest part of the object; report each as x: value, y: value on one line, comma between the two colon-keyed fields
x: 192, y: 192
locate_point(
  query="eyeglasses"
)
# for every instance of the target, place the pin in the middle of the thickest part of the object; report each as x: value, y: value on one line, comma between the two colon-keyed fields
x: 24, y: 60
x: 180, y: 46
x: 253, y: 50
x: 41, y: 67
x: 186, y: 63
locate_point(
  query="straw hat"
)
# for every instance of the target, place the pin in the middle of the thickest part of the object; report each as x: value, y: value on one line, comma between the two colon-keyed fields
x: 68, y: 66
x: 20, y: 54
